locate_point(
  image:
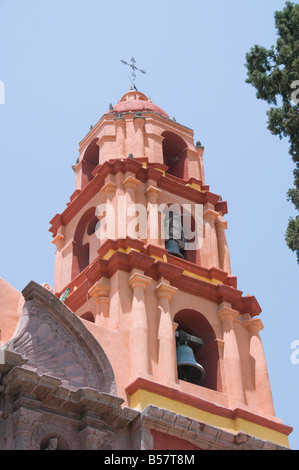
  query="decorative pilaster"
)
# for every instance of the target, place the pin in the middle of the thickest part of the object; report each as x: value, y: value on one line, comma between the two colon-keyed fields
x: 231, y: 358
x: 91, y: 438
x: 101, y: 292
x: 223, y: 251
x: 139, y: 327
x: 58, y: 241
x: 260, y: 370
x: 167, y: 365
x: 153, y: 216
x: 24, y: 423
x: 120, y: 135
x: 139, y: 130
x: 130, y: 184
x: 106, y: 216
x: 210, y: 239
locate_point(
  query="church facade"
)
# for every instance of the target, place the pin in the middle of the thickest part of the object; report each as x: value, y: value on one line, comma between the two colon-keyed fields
x: 144, y: 341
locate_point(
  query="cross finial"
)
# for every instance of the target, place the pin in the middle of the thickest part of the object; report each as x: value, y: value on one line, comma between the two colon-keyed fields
x: 134, y: 69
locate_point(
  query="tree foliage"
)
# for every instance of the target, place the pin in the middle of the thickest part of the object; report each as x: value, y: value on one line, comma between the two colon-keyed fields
x: 274, y: 73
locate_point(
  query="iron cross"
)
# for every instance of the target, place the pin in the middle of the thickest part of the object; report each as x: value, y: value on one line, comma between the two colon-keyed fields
x: 134, y: 69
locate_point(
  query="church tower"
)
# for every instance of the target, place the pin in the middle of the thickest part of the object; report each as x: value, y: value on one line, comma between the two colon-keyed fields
x: 142, y: 259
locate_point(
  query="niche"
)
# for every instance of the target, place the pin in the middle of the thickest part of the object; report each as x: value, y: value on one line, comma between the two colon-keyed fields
x: 195, y: 324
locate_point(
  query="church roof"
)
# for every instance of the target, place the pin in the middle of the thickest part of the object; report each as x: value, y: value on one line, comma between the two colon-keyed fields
x: 135, y: 101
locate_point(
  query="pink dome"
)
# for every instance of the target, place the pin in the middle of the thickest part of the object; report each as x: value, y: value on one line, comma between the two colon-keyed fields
x: 135, y: 101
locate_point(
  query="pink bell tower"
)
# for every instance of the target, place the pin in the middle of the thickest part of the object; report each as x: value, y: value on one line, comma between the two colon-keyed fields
x: 182, y: 340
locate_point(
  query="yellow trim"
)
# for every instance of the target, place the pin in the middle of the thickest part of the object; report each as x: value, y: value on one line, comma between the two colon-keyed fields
x: 195, y: 186
x: 157, y: 258
x: 142, y: 398
x: 122, y: 250
x: 196, y: 276
x: 108, y: 254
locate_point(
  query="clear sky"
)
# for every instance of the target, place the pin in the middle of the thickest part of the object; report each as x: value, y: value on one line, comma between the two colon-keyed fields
x: 60, y: 63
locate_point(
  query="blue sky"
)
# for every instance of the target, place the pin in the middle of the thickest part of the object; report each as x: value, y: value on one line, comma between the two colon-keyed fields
x: 60, y: 63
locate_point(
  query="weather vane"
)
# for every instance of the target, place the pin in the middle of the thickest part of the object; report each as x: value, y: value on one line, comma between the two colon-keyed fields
x: 134, y: 69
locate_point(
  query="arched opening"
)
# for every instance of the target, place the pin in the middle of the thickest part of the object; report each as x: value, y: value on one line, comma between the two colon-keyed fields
x: 81, y: 242
x: 175, y: 154
x: 89, y: 162
x: 181, y: 234
x: 89, y: 316
x: 54, y: 442
x: 195, y: 324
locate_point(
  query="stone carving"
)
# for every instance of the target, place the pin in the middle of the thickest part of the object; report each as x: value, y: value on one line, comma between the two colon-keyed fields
x: 55, y: 342
x: 52, y: 444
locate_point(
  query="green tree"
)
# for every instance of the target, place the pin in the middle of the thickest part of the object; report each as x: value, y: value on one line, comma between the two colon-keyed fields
x: 274, y: 73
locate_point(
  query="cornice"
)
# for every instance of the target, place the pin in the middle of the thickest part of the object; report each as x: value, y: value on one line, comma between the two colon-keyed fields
x: 164, y: 181
x: 123, y: 257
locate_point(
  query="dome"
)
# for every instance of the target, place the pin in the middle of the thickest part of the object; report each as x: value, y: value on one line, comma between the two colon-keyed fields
x: 134, y: 101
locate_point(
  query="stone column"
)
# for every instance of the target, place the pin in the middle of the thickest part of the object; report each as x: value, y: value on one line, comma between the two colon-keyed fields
x: 120, y: 136
x: 58, y: 241
x: 260, y: 370
x: 139, y: 130
x: 139, y: 327
x: 101, y: 292
x: 167, y: 364
x: 91, y: 438
x: 231, y: 358
x: 223, y: 251
x: 153, y: 216
x: 24, y: 423
x: 210, y: 239
x: 108, y: 217
x: 130, y: 184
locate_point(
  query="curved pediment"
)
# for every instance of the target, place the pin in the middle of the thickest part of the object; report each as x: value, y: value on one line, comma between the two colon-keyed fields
x: 54, y: 341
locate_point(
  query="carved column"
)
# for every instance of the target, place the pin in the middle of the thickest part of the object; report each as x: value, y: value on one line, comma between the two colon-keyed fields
x: 139, y: 129
x: 101, y: 292
x: 58, y: 241
x: 153, y: 216
x: 120, y: 135
x: 91, y: 438
x: 24, y: 423
x: 223, y: 251
x: 139, y: 326
x: 167, y: 364
x: 107, y: 217
x: 231, y: 358
x: 210, y: 239
x: 130, y: 185
x: 260, y: 370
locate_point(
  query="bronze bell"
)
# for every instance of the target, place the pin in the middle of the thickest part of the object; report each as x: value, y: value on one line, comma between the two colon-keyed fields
x: 188, y: 369
x: 173, y: 248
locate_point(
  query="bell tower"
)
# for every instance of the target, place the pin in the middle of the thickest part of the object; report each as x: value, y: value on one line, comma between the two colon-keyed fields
x: 142, y: 259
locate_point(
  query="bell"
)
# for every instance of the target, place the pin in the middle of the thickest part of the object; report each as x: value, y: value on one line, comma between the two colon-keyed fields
x: 173, y: 248
x: 188, y: 369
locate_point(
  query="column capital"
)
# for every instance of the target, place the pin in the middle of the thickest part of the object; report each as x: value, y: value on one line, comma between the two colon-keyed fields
x: 119, y: 120
x: 254, y: 325
x: 140, y: 120
x: 139, y: 280
x: 227, y: 313
x: 130, y: 183
x: 211, y: 213
x: 58, y: 241
x: 109, y: 188
x: 164, y: 290
x: 221, y: 223
x: 100, y: 290
x: 153, y: 191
